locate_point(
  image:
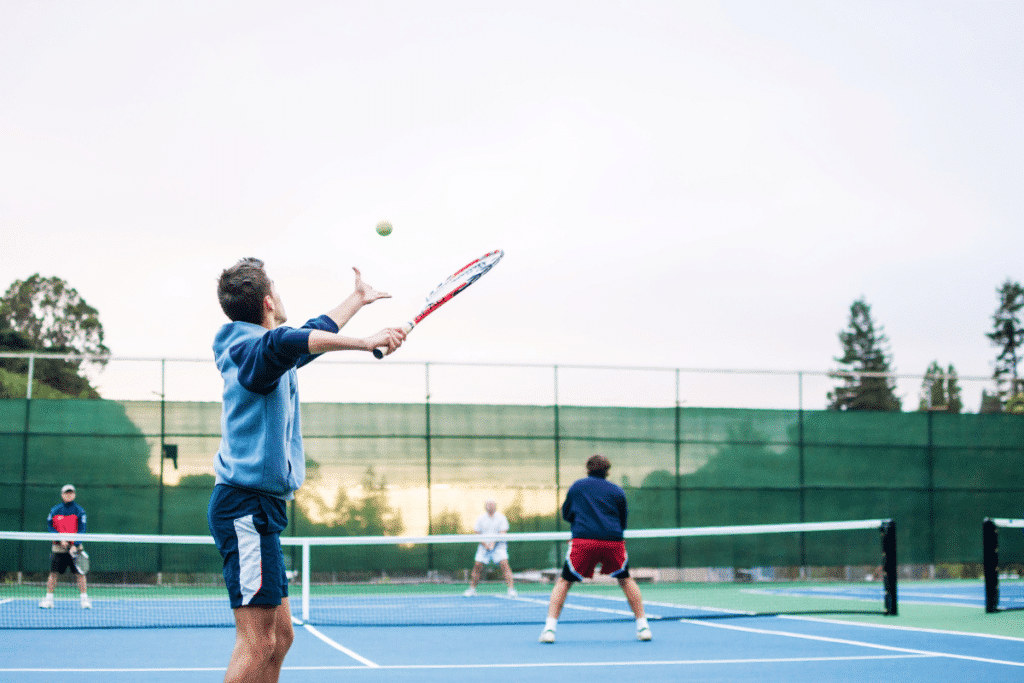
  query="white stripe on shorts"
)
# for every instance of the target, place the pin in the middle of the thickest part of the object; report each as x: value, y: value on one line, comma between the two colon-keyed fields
x: 250, y: 558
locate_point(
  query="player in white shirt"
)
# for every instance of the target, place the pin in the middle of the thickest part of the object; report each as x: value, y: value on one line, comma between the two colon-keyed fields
x: 491, y: 522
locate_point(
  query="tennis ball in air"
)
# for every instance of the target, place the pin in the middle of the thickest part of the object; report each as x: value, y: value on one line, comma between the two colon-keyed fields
x: 383, y: 228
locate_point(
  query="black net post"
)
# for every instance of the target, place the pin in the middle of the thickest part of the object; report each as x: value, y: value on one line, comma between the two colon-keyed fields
x: 889, y: 566
x: 990, y: 554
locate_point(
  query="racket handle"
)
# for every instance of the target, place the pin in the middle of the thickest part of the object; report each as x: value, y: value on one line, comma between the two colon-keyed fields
x: 379, y: 352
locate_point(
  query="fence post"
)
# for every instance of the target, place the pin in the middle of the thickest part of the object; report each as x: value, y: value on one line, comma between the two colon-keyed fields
x: 430, y: 510
x: 306, y: 580
x: 678, y: 487
x: 24, y: 458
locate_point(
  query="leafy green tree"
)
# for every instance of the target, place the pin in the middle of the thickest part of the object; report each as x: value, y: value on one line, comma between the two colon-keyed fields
x: 865, y: 350
x: 1008, y: 335
x: 519, y: 520
x: 46, y: 314
x: 446, y: 522
x: 940, y: 390
x: 990, y: 403
x: 371, y: 515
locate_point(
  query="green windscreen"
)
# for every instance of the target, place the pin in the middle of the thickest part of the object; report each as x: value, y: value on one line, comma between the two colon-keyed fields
x: 426, y: 468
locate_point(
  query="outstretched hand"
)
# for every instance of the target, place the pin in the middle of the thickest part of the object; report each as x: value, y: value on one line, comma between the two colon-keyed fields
x: 366, y: 292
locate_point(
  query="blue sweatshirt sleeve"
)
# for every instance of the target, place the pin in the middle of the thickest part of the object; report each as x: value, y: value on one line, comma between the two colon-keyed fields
x: 262, y: 361
x: 567, y: 512
x: 324, y: 323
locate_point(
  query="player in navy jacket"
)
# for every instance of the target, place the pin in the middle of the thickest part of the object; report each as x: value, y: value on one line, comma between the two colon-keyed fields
x: 260, y: 463
x: 596, y: 510
x: 67, y: 517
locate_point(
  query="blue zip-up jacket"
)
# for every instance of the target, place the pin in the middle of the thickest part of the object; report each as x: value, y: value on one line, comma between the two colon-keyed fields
x: 596, y: 509
x: 67, y: 518
x: 261, y: 430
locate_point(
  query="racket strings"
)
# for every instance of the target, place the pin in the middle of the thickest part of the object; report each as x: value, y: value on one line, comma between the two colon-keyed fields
x: 464, y: 278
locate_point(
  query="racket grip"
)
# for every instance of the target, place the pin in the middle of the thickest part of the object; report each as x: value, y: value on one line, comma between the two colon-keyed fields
x: 379, y: 352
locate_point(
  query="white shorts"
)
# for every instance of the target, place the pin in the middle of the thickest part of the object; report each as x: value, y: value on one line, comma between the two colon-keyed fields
x: 485, y: 556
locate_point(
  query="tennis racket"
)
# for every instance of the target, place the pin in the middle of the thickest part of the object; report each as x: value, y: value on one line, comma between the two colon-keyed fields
x: 80, y: 558
x: 445, y: 291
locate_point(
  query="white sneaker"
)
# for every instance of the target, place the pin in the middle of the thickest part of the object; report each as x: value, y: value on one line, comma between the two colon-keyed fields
x: 512, y: 593
x: 643, y: 633
x: 548, y: 636
x: 470, y: 592
x: 86, y: 603
x: 46, y: 603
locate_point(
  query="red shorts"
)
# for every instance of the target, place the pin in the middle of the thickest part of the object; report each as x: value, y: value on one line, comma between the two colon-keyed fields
x: 586, y: 553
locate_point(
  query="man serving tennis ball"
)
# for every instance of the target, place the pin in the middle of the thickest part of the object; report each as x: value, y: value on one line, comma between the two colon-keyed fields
x: 260, y: 463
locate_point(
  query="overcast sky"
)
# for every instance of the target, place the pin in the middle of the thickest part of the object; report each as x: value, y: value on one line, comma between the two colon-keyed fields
x: 682, y: 184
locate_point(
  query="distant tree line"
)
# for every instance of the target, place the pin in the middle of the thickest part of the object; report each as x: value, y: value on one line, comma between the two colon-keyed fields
x: 866, y: 365
x: 47, y: 314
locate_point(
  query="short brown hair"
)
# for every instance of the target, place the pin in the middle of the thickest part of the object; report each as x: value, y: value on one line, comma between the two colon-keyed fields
x: 241, y: 290
x: 598, y: 466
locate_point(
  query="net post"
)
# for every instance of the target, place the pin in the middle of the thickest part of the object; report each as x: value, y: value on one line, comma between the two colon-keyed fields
x: 889, y: 566
x: 990, y: 555
x: 305, y: 582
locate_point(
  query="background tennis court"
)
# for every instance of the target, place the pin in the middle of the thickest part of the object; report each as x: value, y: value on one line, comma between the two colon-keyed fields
x: 401, y: 467
x: 427, y: 466
x: 911, y: 647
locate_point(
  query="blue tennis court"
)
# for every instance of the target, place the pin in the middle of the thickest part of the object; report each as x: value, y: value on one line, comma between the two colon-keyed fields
x: 968, y: 593
x: 787, y: 647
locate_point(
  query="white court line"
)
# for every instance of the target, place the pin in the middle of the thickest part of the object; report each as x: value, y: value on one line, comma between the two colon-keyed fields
x: 894, y: 627
x: 669, y: 662
x: 337, y: 646
x: 672, y: 605
x: 118, y: 671
x: 843, y: 641
x: 515, y: 665
x: 585, y: 608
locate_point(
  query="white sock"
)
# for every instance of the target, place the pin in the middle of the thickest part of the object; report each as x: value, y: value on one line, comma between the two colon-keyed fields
x: 49, y: 596
x: 551, y: 624
x: 84, y: 596
x: 641, y: 623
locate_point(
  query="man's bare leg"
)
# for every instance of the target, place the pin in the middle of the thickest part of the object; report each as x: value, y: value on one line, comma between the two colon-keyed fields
x: 558, y: 595
x: 263, y: 636
x: 636, y: 603
x: 633, y: 597
x: 506, y: 571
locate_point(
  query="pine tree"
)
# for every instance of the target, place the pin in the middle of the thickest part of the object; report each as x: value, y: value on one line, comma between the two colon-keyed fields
x: 865, y: 350
x: 954, y: 399
x: 1008, y: 335
x: 940, y: 390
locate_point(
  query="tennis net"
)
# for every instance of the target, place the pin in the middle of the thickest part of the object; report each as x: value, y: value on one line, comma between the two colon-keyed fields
x: 1004, y: 564
x: 701, y: 572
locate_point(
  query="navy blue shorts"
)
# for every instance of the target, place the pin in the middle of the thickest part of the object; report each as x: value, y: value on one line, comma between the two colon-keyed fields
x: 61, y: 561
x: 247, y: 526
